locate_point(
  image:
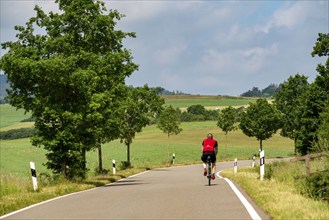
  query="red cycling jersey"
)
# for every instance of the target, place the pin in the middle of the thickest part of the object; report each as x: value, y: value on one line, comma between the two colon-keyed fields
x: 209, y: 145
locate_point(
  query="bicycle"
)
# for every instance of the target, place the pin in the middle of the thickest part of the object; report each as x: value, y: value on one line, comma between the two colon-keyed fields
x: 209, y: 165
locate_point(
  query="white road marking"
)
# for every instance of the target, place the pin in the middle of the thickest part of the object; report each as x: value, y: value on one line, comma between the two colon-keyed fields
x: 252, y: 212
x: 40, y: 203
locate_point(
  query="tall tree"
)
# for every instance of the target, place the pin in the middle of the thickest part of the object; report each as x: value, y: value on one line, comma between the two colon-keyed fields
x: 323, y: 132
x: 315, y: 99
x: 226, y: 121
x: 168, y: 121
x: 289, y: 100
x: 65, y: 74
x: 261, y: 120
x: 142, y: 105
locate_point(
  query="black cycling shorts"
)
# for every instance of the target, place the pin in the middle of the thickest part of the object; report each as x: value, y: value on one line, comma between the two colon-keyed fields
x: 205, y: 155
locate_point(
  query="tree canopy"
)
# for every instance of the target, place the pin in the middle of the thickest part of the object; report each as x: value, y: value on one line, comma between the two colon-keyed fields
x: 71, y: 77
x: 141, y: 106
x: 226, y: 119
x: 260, y: 120
x: 168, y: 121
x: 288, y: 100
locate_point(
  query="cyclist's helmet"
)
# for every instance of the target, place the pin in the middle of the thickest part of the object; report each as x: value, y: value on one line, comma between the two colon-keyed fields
x: 210, y: 135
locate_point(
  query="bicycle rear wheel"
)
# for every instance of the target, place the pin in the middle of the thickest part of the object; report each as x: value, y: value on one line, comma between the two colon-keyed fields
x: 209, y: 174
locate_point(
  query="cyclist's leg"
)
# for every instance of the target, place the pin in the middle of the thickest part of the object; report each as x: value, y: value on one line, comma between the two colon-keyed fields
x: 203, y: 158
x: 213, y: 168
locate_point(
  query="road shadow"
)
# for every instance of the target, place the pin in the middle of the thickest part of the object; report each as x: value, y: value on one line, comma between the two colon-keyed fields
x: 215, y: 184
x: 161, y: 169
x: 126, y: 182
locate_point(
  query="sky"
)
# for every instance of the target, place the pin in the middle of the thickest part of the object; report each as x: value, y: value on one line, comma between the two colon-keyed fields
x: 208, y: 47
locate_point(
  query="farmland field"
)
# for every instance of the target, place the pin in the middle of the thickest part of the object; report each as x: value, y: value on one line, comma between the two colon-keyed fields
x: 210, y: 102
x: 9, y: 115
x: 150, y: 148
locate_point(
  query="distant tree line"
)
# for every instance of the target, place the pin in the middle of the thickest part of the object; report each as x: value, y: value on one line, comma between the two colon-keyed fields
x: 161, y: 91
x: 269, y: 91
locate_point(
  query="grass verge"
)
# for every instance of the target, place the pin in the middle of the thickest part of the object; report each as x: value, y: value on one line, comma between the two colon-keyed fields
x: 281, y: 193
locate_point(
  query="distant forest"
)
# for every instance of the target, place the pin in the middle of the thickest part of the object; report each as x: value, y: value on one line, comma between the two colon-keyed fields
x: 269, y: 91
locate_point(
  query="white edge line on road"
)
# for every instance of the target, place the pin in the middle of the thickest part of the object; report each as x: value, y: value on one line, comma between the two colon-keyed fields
x: 252, y: 212
x: 40, y: 203
x: 49, y: 200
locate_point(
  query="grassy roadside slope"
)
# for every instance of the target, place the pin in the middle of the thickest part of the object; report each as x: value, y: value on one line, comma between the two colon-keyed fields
x: 281, y: 193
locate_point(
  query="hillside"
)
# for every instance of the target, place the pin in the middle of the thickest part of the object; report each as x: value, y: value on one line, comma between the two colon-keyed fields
x: 209, y: 102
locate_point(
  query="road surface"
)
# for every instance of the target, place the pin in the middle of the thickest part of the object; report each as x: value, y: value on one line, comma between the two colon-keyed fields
x: 166, y: 193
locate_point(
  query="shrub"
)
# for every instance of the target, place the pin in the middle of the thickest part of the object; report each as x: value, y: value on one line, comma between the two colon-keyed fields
x: 17, y: 133
x: 318, y: 185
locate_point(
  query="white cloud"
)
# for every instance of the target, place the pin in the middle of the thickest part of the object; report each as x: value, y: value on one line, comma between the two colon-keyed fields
x: 208, y: 47
x: 138, y: 11
x: 292, y: 15
x: 249, y: 61
x: 170, y: 55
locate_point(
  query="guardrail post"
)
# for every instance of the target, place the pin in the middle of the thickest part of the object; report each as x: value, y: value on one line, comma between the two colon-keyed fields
x: 253, y: 161
x: 235, y: 165
x: 262, y: 164
x: 34, y: 176
x: 113, y: 165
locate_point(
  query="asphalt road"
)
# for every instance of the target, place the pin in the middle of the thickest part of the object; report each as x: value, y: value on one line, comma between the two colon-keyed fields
x: 167, y: 193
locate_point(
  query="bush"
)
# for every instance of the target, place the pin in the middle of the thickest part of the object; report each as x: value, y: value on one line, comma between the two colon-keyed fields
x: 17, y: 133
x: 318, y: 185
x: 125, y: 165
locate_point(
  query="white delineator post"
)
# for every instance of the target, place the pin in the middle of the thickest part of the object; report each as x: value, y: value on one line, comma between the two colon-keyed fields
x: 235, y: 165
x: 253, y: 161
x: 173, y: 158
x: 262, y: 164
x: 34, y: 176
x: 113, y: 165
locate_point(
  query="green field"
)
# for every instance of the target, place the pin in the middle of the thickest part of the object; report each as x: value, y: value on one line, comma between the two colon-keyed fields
x: 10, y: 116
x: 210, y: 102
x: 149, y: 149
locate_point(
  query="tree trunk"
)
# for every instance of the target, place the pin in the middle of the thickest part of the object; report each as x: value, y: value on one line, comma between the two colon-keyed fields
x: 128, y: 154
x: 100, y: 160
x: 84, y: 162
x: 295, y: 150
x: 83, y: 153
x: 64, y: 169
x: 225, y: 144
x: 261, y: 145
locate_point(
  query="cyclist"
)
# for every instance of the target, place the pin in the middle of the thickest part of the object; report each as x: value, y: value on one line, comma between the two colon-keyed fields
x: 209, y: 147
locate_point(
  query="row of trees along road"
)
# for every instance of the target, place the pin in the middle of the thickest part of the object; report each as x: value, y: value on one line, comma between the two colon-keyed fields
x: 300, y: 109
x: 71, y: 76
